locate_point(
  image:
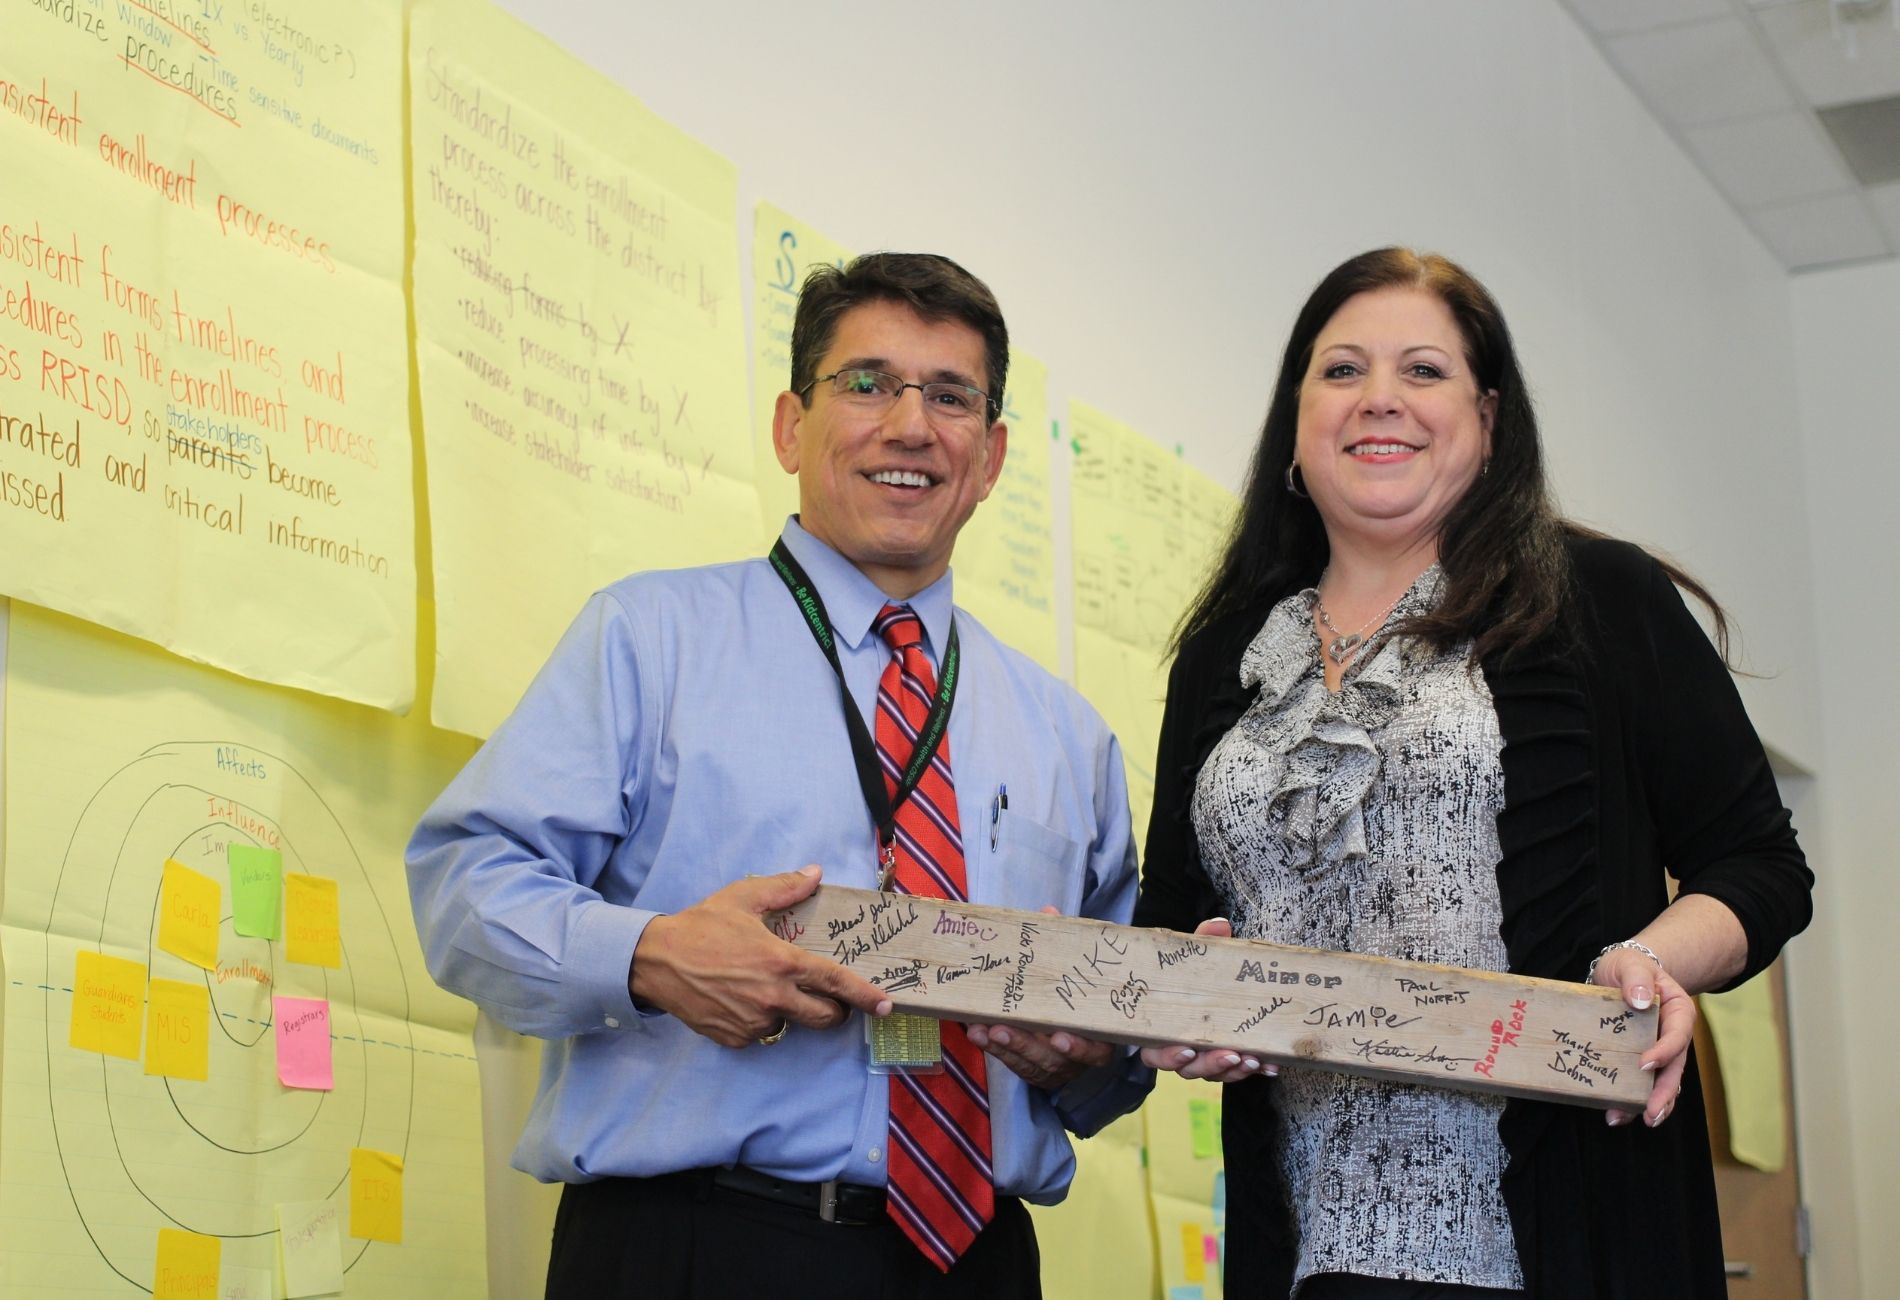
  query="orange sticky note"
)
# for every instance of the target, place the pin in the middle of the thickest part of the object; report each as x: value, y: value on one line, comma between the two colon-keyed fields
x: 178, y: 1030
x: 313, y: 934
x: 375, y: 1195
x: 108, y: 1004
x: 189, y: 906
x: 1193, y: 1262
x: 187, y: 1266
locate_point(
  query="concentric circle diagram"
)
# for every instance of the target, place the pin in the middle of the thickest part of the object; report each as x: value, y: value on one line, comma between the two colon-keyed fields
x: 217, y: 1157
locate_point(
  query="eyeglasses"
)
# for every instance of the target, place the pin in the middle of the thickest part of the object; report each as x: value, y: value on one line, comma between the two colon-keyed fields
x: 875, y: 391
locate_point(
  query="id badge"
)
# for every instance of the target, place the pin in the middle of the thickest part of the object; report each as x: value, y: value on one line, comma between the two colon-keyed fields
x: 902, y: 1044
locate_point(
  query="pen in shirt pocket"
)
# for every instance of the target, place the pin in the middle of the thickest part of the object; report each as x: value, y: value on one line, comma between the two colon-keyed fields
x: 999, y: 803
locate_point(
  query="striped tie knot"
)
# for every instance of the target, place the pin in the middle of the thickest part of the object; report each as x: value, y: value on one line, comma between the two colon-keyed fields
x: 899, y: 626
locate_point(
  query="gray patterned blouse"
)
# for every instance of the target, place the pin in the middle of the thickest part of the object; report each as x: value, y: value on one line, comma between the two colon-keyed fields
x: 1366, y: 821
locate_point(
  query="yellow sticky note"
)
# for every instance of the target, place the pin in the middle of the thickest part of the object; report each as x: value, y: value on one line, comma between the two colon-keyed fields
x: 375, y: 1195
x: 107, y: 997
x: 178, y: 1030
x: 187, y: 1266
x: 312, y: 931
x: 1193, y: 1260
x: 189, y: 906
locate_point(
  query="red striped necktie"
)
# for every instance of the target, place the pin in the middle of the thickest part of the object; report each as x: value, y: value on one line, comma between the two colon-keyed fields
x: 941, y: 1189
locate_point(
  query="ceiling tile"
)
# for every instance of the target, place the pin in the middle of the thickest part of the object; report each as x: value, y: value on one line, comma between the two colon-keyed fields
x: 1700, y: 72
x: 1824, y: 64
x: 1817, y: 232
x: 1616, y: 17
x: 1768, y: 159
x: 1886, y: 201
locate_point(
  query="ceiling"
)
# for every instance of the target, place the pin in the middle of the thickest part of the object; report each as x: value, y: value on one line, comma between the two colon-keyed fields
x: 1790, y: 107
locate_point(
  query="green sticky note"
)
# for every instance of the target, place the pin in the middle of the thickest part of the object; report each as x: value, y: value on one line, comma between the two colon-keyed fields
x: 257, y: 889
x: 1204, y: 1123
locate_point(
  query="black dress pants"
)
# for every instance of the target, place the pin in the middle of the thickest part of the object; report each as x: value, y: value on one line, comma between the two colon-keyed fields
x: 672, y: 1238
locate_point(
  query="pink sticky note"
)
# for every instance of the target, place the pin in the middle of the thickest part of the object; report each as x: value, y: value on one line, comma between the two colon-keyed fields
x: 303, y: 1042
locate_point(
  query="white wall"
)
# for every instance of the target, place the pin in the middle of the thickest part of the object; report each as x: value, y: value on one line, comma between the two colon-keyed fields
x: 1847, y: 330
x: 1151, y: 190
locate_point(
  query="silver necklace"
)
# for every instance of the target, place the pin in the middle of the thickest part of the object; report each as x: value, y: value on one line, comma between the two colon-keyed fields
x: 1345, y: 645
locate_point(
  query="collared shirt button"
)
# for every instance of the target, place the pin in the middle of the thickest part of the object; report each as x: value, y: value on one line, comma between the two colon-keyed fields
x: 612, y: 1023
x: 875, y: 1154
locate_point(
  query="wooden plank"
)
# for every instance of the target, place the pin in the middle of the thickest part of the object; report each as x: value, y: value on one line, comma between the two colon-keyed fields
x: 1440, y: 1025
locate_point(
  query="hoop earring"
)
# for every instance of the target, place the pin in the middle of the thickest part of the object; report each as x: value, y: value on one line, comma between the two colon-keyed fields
x: 1292, y: 486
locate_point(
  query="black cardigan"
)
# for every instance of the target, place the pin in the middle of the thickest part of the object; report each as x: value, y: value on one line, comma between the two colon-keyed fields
x: 1625, y: 753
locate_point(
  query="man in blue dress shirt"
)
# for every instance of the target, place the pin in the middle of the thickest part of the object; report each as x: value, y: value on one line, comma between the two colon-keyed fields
x: 681, y: 766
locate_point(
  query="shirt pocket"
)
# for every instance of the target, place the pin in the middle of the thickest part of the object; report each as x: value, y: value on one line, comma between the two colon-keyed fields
x: 1036, y: 866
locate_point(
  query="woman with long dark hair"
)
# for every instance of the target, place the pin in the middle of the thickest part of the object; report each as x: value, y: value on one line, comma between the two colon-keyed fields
x: 1416, y: 713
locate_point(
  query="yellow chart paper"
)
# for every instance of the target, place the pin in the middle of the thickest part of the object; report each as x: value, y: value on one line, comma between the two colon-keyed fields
x: 1005, y: 558
x: 581, y: 346
x: 1146, y: 526
x: 1098, y: 1240
x: 1188, y: 1188
x: 119, y: 757
x: 203, y: 392
x: 784, y: 250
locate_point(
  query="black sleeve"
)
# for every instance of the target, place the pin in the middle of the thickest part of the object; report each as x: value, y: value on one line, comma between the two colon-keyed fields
x: 1721, y: 826
x: 1175, y: 893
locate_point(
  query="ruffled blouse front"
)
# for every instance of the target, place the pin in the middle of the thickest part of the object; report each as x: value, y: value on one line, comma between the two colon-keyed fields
x: 1365, y: 820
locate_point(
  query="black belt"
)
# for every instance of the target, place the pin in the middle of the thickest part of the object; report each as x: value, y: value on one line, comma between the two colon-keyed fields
x: 832, y: 1201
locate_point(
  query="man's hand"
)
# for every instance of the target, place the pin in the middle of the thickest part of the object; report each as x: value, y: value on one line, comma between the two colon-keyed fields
x: 716, y: 967
x: 1045, y: 1060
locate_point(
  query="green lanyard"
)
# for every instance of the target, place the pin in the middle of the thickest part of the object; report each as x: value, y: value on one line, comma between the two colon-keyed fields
x: 883, y: 805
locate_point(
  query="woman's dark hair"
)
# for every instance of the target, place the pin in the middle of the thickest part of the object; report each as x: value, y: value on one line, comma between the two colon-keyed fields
x: 933, y: 286
x: 1502, y: 545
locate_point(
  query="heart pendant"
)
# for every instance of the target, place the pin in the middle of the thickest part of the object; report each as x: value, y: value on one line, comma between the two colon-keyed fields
x: 1341, y: 647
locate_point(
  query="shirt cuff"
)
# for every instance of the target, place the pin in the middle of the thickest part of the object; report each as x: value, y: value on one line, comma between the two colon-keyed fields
x: 1088, y: 1103
x: 599, y: 964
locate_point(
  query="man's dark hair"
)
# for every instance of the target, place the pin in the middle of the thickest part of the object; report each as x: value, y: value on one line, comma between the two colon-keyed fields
x: 934, y: 287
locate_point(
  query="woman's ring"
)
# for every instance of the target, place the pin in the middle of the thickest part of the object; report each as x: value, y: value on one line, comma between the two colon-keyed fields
x: 768, y: 1039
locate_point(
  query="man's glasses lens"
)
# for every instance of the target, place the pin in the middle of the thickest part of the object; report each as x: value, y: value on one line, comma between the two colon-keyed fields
x: 874, y: 388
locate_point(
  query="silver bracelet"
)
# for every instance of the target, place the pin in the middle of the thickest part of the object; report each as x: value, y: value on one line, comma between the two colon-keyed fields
x: 1589, y: 976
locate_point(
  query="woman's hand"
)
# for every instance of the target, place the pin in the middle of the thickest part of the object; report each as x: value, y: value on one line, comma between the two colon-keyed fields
x: 1645, y: 984
x: 1219, y: 1064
